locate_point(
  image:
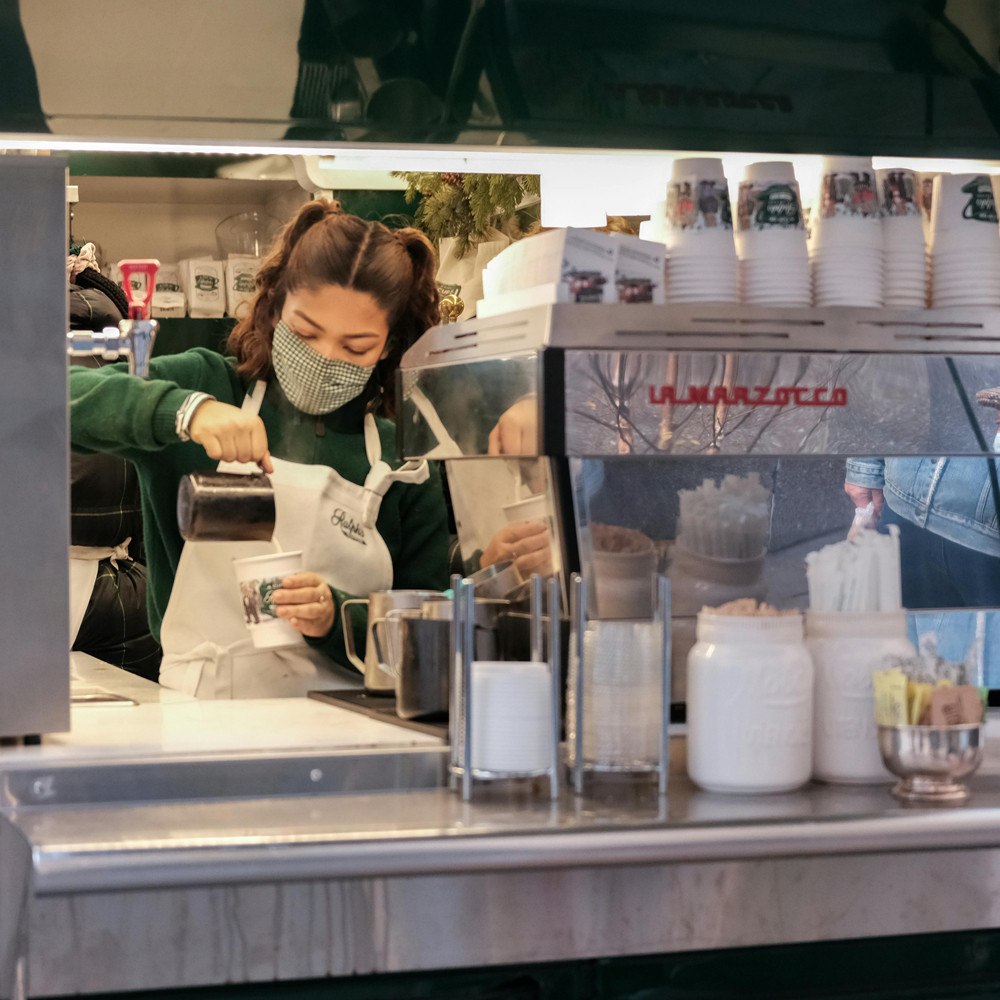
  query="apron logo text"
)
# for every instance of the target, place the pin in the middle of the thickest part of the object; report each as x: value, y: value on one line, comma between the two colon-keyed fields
x: 349, y: 527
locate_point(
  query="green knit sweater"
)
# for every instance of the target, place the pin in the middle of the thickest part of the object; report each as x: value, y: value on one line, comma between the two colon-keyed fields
x: 113, y: 412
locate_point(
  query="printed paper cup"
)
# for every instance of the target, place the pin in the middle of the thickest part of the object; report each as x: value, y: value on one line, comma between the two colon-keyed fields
x: 963, y: 214
x: 257, y: 578
x: 770, y: 220
x: 699, y: 221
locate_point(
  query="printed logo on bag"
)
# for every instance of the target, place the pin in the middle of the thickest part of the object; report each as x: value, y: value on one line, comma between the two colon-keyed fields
x: 849, y: 193
x: 349, y: 527
x: 769, y: 206
x: 744, y: 395
x: 981, y: 207
x: 167, y: 286
x: 584, y: 286
x: 243, y: 283
x: 447, y: 288
x: 699, y: 205
x: 206, y: 282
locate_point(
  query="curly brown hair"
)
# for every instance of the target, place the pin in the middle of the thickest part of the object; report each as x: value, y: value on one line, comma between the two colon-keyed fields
x: 322, y: 245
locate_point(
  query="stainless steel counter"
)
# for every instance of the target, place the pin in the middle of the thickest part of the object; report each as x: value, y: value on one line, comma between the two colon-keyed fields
x: 190, y: 868
x: 428, y: 830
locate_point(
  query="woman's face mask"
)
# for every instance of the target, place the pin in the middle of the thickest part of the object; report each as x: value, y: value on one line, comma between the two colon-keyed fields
x: 326, y: 345
x: 312, y: 383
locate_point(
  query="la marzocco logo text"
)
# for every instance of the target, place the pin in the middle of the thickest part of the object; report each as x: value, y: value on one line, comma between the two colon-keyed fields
x: 352, y: 529
x: 745, y: 395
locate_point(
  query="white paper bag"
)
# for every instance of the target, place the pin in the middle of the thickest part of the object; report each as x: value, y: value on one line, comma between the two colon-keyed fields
x: 205, y: 287
x: 241, y: 270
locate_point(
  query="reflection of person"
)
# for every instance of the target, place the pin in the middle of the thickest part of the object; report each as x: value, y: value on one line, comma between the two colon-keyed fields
x: 107, y: 576
x: 527, y: 544
x: 947, y: 516
x: 338, y: 301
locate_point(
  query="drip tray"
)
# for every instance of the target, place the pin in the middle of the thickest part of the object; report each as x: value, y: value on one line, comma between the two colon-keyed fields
x: 378, y: 706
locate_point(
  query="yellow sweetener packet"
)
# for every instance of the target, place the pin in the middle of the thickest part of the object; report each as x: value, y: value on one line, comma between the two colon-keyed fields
x: 890, y: 697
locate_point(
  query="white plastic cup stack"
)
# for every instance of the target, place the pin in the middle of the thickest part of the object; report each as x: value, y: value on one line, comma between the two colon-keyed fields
x: 622, y: 708
x: 845, y: 239
x: 698, y: 233
x: 964, y: 242
x: 904, y: 250
x: 771, y: 237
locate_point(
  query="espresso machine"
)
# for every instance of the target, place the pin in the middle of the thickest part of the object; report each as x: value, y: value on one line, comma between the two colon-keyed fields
x: 647, y: 423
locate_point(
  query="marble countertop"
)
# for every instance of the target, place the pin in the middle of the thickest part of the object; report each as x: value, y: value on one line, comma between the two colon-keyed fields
x: 153, y: 721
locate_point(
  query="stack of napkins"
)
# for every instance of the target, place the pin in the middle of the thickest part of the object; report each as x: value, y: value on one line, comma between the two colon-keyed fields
x: 572, y: 265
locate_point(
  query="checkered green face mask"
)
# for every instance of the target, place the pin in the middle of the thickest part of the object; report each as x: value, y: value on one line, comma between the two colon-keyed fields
x: 312, y: 383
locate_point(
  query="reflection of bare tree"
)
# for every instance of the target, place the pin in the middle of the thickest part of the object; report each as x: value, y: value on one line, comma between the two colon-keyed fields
x: 619, y: 376
x: 728, y: 377
x: 666, y: 418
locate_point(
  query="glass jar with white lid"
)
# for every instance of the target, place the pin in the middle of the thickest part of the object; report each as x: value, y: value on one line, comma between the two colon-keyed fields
x: 749, y: 704
x: 846, y: 647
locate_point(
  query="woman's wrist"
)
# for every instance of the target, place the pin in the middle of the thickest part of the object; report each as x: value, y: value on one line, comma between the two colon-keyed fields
x: 186, y: 412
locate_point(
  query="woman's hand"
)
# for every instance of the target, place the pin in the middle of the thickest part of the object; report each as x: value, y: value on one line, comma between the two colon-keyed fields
x: 230, y: 435
x: 516, y: 432
x: 527, y: 544
x: 863, y: 495
x: 305, y: 602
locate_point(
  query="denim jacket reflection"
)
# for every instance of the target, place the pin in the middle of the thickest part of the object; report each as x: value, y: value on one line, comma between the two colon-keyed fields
x: 952, y: 497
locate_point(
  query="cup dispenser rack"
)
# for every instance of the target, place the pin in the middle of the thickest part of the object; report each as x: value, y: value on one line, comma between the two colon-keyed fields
x: 480, y: 748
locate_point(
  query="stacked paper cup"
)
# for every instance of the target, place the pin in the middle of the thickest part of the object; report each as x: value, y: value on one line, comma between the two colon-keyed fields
x: 964, y: 242
x: 771, y: 237
x: 903, y: 249
x: 845, y: 241
x: 699, y: 233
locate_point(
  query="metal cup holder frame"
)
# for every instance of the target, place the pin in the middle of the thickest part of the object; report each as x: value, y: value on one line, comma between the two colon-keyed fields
x: 462, y: 772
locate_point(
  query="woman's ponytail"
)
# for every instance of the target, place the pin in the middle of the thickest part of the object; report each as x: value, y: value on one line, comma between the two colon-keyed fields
x: 418, y: 312
x: 423, y: 304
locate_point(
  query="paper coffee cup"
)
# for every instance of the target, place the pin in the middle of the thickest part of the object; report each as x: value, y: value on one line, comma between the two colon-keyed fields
x: 533, y: 508
x: 257, y: 578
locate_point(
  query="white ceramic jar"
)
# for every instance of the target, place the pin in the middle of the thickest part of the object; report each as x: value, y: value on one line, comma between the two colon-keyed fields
x: 846, y: 647
x: 749, y: 704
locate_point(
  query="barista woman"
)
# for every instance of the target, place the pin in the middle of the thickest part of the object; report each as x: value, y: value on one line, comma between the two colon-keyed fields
x: 338, y: 302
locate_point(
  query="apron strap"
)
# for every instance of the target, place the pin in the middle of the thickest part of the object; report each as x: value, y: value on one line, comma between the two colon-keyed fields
x: 381, y: 475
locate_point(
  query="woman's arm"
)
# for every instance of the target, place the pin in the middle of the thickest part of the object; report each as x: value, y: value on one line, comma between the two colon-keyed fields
x: 114, y: 412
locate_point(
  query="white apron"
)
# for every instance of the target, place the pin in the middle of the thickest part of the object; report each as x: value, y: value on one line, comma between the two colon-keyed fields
x: 207, y: 650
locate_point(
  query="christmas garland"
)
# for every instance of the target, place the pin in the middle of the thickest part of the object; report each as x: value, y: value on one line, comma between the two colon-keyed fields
x: 466, y: 206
